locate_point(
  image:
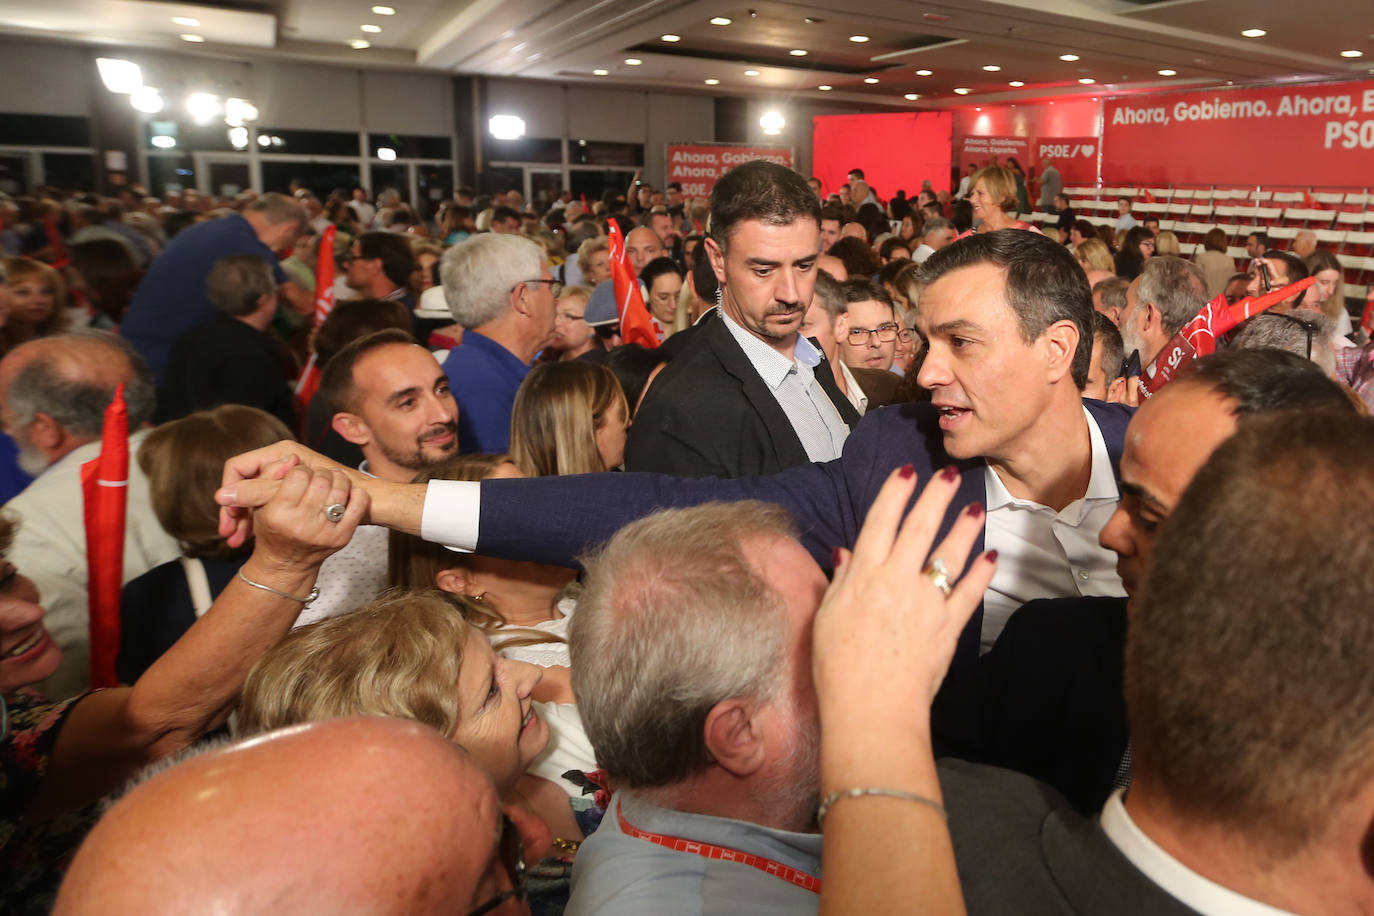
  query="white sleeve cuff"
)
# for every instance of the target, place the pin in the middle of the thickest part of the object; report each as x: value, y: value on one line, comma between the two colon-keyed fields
x: 451, y: 512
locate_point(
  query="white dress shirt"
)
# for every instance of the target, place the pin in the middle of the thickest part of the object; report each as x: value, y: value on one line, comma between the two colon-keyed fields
x: 852, y: 389
x: 1048, y: 554
x: 793, y: 383
x: 922, y: 252
x: 1172, y: 876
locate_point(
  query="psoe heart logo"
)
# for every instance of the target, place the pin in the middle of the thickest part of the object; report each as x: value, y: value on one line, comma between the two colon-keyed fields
x: 1087, y: 149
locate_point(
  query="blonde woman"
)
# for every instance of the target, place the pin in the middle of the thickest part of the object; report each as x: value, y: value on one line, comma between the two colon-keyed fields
x: 1167, y: 243
x: 1327, y: 295
x: 994, y: 200
x: 568, y: 418
x: 37, y: 302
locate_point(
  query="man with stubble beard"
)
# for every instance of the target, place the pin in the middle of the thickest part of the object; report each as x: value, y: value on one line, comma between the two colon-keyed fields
x: 749, y: 395
x: 391, y: 398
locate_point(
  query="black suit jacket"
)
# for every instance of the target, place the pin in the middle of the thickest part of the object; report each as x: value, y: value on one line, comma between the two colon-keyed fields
x: 1021, y: 850
x: 1047, y: 700
x: 224, y: 361
x: 880, y: 386
x: 829, y: 500
x: 709, y: 414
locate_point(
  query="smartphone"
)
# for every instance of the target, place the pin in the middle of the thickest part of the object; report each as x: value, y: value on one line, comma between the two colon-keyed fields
x: 1258, y: 265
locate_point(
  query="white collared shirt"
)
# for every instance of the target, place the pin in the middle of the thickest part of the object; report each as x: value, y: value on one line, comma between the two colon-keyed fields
x: 1171, y: 875
x: 814, y: 419
x: 1048, y: 554
x: 852, y: 389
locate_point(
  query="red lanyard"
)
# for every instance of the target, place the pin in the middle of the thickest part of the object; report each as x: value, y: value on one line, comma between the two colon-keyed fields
x: 725, y: 854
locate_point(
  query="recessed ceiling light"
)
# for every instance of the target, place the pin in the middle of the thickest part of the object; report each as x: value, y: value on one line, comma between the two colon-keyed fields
x: 1168, y: 73
x: 1352, y: 54
x: 911, y: 96
x: 860, y: 39
x: 961, y: 92
x: 1254, y: 33
x: 797, y: 52
x: 189, y: 37
x: 721, y: 20
x: 923, y: 72
x: 1016, y: 84
x: 871, y: 80
x: 186, y: 21
x: 991, y: 68
x: 633, y: 61
x: 1068, y: 57
x: 600, y: 72
x: 672, y: 38
x: 713, y: 82
x: 370, y: 28
x: 1087, y: 81
x: 358, y: 44
x: 825, y: 88
x: 384, y: 11
x: 751, y: 73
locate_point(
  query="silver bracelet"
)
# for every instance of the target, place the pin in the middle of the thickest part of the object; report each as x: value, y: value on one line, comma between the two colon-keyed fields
x: 314, y: 592
x: 829, y: 801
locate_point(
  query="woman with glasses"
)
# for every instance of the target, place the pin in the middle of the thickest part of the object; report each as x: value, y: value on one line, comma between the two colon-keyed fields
x: 662, y: 280
x: 572, y: 336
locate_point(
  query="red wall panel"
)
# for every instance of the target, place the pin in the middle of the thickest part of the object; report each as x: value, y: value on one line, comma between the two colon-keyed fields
x: 896, y: 151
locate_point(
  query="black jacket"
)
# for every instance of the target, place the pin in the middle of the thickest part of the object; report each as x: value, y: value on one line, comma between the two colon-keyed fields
x: 708, y: 414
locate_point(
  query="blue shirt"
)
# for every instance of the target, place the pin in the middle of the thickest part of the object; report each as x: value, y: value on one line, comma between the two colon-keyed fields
x: 171, y: 299
x: 484, y: 377
x: 616, y: 873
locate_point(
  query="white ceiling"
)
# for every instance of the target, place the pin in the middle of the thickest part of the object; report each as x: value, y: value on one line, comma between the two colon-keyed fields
x: 1121, y: 44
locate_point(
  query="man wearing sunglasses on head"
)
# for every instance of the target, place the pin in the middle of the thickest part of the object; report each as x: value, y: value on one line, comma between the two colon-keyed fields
x: 500, y: 289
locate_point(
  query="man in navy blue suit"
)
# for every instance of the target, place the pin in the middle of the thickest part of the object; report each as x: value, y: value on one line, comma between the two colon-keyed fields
x: 1007, y: 317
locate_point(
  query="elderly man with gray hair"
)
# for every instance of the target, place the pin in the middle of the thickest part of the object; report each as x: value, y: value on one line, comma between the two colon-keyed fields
x: 704, y: 719
x: 231, y: 357
x: 53, y: 395
x: 500, y: 289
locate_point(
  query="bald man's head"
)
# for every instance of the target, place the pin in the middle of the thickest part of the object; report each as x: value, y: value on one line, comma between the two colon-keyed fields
x: 642, y: 245
x: 357, y: 815
x: 54, y: 391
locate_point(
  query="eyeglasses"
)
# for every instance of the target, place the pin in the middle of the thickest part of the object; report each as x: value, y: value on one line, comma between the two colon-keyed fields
x: 905, y: 335
x: 554, y: 286
x: 886, y: 334
x: 512, y: 852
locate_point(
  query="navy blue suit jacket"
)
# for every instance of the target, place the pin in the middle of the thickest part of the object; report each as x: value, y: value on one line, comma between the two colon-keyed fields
x: 829, y: 500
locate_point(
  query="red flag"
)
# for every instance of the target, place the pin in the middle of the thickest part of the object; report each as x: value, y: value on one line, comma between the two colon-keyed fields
x: 309, y: 382
x: 105, y: 487
x: 59, y: 251
x: 584, y: 201
x: 324, y: 276
x: 1199, y: 336
x: 1145, y: 193
x: 1312, y: 202
x: 636, y: 324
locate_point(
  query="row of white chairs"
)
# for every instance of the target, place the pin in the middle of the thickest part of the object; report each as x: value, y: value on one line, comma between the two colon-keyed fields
x: 1349, y: 198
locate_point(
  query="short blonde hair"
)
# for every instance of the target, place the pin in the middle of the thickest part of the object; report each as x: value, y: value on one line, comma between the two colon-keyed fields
x: 19, y: 270
x: 1096, y: 254
x: 557, y: 412
x: 399, y: 656
x: 1167, y: 243
x: 1000, y: 182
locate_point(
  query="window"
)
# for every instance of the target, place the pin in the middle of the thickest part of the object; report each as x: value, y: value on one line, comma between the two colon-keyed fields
x: 189, y: 135
x: 526, y: 149
x: 44, y: 130
x: 411, y: 146
x: 311, y: 142
x: 597, y: 152
x: 319, y: 177
x: 595, y: 182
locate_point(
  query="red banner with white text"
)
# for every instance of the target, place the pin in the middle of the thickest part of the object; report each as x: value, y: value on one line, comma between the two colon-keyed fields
x: 981, y: 151
x: 1298, y: 135
x: 699, y: 166
x: 1075, y: 158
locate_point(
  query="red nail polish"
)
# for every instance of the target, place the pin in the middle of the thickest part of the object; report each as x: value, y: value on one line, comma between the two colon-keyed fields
x: 907, y: 472
x: 990, y: 556
x: 950, y: 474
x: 975, y: 510
x: 836, y: 556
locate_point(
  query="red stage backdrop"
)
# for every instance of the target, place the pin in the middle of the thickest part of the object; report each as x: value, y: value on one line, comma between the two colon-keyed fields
x: 699, y: 166
x: 896, y: 151
x: 1074, y: 157
x: 1274, y: 136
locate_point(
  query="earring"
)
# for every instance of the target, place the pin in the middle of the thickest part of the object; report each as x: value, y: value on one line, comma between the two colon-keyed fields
x: 720, y: 296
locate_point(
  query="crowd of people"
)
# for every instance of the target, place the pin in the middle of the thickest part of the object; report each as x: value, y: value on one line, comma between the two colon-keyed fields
x: 882, y: 575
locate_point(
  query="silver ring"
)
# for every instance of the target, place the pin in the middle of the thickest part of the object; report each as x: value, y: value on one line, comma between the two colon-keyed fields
x: 938, y: 574
x: 334, y: 512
